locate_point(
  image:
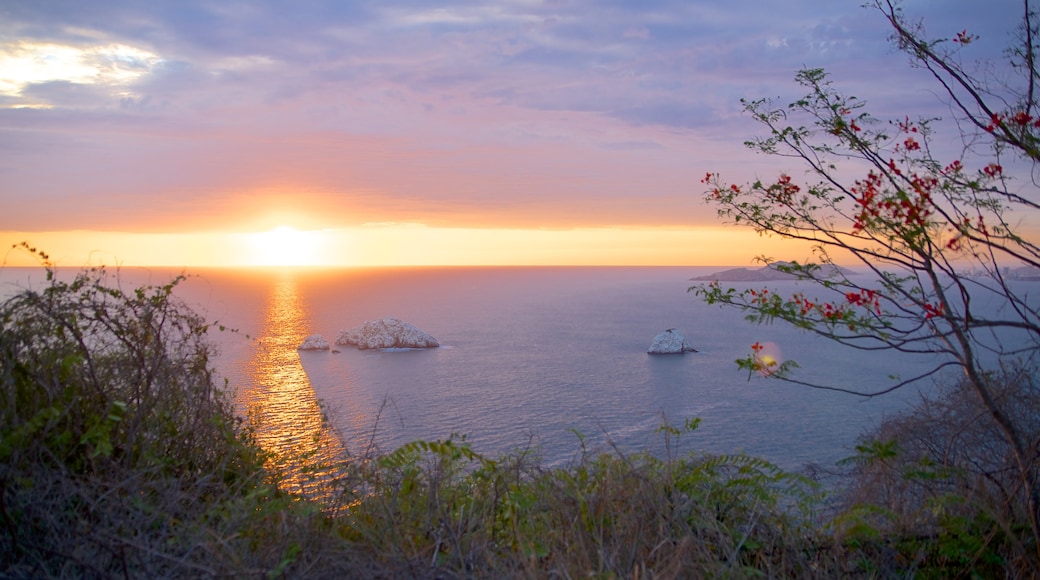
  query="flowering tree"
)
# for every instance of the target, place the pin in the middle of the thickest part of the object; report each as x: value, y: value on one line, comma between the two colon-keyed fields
x: 916, y: 222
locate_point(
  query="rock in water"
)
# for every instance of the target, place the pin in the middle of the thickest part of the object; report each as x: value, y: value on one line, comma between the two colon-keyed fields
x: 670, y: 341
x: 314, y: 342
x: 386, y: 333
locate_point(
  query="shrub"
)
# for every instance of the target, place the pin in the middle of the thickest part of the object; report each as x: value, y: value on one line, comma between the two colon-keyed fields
x: 438, y: 509
x: 942, y: 486
x: 119, y: 453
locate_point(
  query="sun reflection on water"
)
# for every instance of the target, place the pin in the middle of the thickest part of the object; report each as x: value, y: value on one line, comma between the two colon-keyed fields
x: 282, y: 402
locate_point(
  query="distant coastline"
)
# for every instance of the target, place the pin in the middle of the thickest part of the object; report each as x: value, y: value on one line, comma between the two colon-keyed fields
x: 769, y: 273
x: 772, y: 273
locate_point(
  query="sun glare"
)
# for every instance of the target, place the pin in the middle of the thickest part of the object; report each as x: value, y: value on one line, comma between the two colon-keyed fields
x: 286, y: 246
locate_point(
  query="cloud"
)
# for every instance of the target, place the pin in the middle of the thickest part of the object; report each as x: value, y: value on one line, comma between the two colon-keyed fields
x: 182, y: 113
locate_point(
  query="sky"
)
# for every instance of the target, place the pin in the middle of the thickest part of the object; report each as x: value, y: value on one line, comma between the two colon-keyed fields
x: 383, y: 132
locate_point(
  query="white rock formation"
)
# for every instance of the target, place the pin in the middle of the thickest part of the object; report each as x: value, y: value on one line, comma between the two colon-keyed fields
x: 670, y: 341
x: 386, y: 333
x: 314, y: 342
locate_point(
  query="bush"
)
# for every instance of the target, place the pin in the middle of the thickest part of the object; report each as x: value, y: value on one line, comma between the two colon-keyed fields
x: 942, y: 486
x: 119, y: 454
x: 438, y: 509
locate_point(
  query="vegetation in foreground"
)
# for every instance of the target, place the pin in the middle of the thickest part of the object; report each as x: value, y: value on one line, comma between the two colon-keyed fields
x: 120, y: 457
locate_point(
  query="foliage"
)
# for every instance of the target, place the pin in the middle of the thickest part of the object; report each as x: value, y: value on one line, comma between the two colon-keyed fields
x: 437, y: 508
x: 119, y: 454
x: 940, y: 484
x: 915, y: 219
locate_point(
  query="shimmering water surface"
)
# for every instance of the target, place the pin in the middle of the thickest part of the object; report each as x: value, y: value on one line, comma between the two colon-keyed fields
x: 532, y: 356
x: 529, y: 357
x: 273, y: 389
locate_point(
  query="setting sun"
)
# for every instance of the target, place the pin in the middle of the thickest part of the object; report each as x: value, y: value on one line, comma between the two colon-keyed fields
x: 286, y: 246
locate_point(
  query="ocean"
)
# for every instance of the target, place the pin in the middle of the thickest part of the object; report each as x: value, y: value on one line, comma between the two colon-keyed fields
x: 547, y: 359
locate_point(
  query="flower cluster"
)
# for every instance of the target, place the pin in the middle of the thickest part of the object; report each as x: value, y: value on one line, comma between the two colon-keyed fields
x: 866, y: 298
x: 1020, y: 120
x: 910, y: 143
x: 760, y: 297
x: 783, y: 191
x: 840, y: 124
x: 832, y: 312
x: 866, y: 193
x: 907, y: 208
x: 932, y: 311
x: 805, y: 306
x: 907, y: 126
x: 718, y: 193
x: 963, y: 38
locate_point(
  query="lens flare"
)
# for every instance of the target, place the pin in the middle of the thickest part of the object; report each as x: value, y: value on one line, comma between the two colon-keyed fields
x: 768, y: 358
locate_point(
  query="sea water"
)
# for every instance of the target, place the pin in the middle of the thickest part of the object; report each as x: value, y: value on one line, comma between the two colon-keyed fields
x: 539, y: 358
x: 544, y: 359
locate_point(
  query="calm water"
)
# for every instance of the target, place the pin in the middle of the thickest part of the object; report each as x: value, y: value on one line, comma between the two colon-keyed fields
x: 529, y: 356
x: 532, y: 356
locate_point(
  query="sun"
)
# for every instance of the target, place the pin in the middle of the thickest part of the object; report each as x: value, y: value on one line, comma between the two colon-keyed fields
x: 286, y: 246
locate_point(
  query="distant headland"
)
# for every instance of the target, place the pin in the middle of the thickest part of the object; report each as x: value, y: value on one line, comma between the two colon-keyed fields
x: 770, y: 273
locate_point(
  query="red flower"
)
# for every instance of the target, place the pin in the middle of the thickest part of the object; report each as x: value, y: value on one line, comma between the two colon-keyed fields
x: 995, y: 121
x: 893, y: 167
x: 964, y: 38
x: 1022, y: 118
x: 933, y: 311
x: 783, y: 191
x: 866, y: 193
x: 993, y: 170
x: 832, y: 313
